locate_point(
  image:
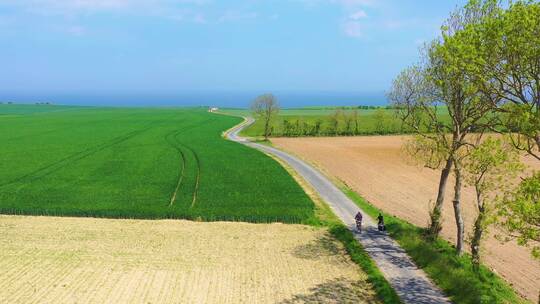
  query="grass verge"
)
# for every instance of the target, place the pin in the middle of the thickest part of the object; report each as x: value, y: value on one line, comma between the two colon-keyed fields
x: 384, y: 291
x: 358, y: 255
x: 452, y: 273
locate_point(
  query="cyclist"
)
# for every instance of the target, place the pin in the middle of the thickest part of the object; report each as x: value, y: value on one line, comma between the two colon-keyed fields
x: 358, y: 219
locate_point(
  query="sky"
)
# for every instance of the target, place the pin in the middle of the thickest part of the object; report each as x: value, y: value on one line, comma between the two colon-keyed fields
x: 131, y: 47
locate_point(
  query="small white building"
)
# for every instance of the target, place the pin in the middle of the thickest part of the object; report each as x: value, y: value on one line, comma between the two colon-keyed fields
x: 214, y: 109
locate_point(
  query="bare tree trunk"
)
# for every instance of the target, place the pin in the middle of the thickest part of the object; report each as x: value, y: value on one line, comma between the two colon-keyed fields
x: 435, y: 216
x: 457, y: 211
x: 537, y: 139
x: 477, y: 238
x: 478, y: 229
x: 266, y: 127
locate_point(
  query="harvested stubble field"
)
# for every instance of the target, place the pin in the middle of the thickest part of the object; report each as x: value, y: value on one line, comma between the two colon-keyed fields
x: 88, y: 260
x: 376, y: 168
x: 138, y: 163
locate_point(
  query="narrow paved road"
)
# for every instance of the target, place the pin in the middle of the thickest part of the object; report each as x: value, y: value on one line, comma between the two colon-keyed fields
x: 411, y: 283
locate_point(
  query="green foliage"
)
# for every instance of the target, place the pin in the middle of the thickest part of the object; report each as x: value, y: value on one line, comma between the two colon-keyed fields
x: 523, y: 120
x: 521, y: 211
x: 448, y: 75
x: 380, y: 120
x: 128, y: 162
x: 318, y: 122
x: 489, y: 166
x: 265, y: 108
x: 426, y: 152
x: 453, y: 273
x: 510, y: 70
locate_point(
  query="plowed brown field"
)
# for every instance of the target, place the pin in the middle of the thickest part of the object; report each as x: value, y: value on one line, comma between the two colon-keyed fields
x: 375, y: 168
x: 85, y: 260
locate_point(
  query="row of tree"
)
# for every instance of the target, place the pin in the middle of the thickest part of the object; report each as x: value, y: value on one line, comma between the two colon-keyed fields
x: 339, y: 123
x: 485, y: 69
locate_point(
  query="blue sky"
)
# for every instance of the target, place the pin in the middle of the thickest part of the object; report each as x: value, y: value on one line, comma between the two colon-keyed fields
x: 169, y: 46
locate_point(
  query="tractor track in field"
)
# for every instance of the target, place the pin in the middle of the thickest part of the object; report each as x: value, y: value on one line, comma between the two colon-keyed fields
x: 196, y: 190
x: 92, y: 122
x: 62, y: 163
x: 15, y: 138
x: 182, y: 166
x: 171, y: 138
x: 175, y: 143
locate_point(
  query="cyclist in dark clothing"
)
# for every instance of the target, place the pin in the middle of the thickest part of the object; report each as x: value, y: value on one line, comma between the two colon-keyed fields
x: 380, y: 223
x: 358, y: 219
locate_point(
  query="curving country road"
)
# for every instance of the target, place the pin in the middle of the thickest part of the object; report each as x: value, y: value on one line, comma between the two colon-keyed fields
x: 411, y: 283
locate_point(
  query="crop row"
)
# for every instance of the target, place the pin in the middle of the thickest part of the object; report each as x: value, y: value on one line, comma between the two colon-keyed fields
x: 141, y: 163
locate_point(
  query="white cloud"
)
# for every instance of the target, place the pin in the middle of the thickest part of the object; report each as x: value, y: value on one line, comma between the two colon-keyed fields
x: 358, y: 15
x: 354, y: 3
x: 234, y: 15
x: 75, y: 7
x: 344, y: 3
x: 352, y: 23
x: 352, y: 26
x: 195, y: 11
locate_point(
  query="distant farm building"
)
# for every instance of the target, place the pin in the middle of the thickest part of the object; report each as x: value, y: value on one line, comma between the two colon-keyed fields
x: 213, y: 109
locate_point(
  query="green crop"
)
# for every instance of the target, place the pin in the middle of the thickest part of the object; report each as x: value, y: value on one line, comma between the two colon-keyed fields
x: 138, y: 163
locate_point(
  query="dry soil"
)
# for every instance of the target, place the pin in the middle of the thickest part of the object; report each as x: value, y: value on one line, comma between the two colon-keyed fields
x: 86, y: 260
x: 376, y: 168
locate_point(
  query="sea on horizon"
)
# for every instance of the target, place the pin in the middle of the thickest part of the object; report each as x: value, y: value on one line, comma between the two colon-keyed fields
x: 216, y: 99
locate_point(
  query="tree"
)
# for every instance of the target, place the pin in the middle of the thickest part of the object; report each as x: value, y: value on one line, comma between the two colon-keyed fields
x: 453, y: 69
x: 317, y: 127
x: 512, y: 77
x: 412, y: 94
x: 355, y: 119
x: 445, y: 79
x: 511, y: 72
x: 287, y: 127
x: 488, y: 167
x: 306, y: 130
x: 521, y: 213
x: 349, y: 120
x: 297, y: 128
x: 335, y: 118
x: 265, y: 107
x: 380, y: 119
